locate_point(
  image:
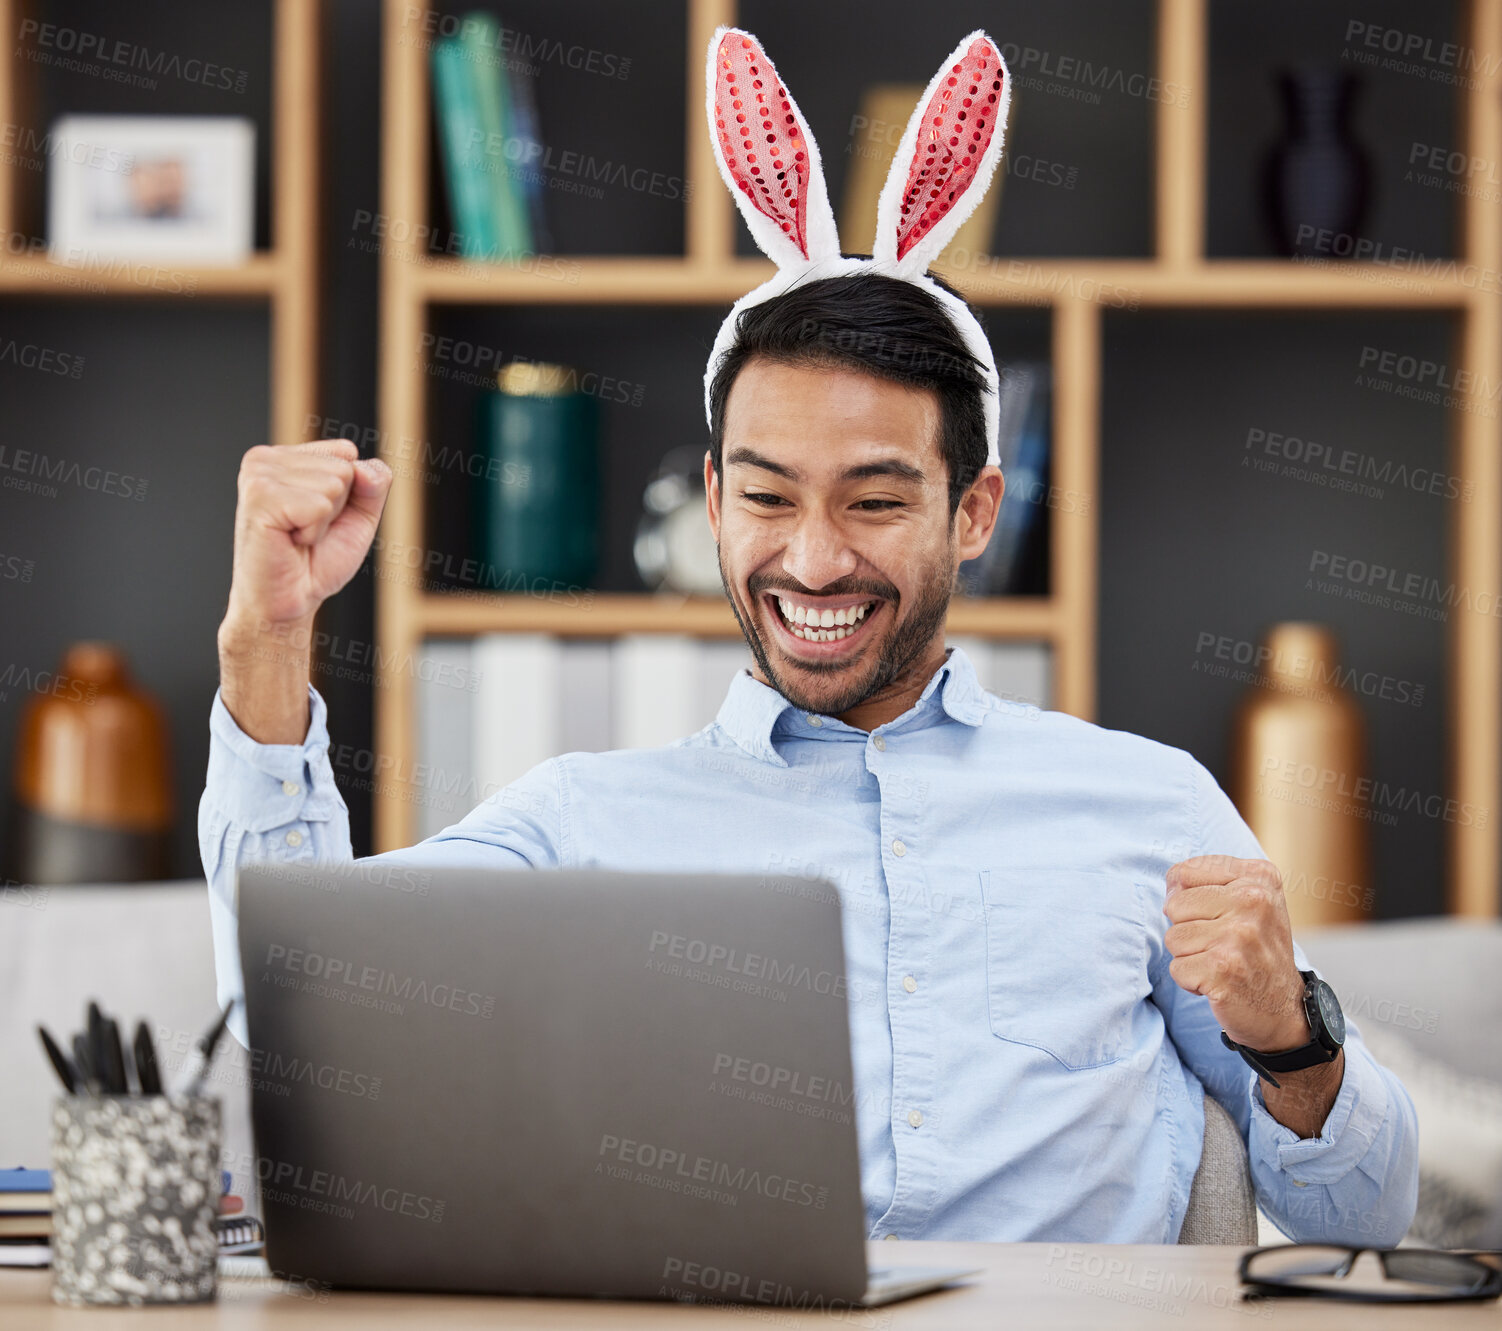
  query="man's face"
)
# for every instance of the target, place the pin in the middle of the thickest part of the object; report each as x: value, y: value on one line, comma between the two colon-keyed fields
x: 836, y: 546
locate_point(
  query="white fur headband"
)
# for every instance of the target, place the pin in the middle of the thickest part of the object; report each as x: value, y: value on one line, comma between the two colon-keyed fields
x: 770, y: 164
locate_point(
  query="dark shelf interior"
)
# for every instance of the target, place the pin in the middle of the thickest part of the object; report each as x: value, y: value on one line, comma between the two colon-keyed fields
x: 165, y: 405
x: 610, y: 105
x: 1077, y: 172
x: 1196, y: 540
x: 1403, y: 107
x: 158, y: 60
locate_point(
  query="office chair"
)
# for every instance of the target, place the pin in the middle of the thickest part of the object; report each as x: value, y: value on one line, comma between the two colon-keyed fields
x: 1222, y: 1201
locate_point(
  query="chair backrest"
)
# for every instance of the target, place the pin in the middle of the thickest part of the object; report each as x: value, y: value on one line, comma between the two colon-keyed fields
x: 1222, y: 1201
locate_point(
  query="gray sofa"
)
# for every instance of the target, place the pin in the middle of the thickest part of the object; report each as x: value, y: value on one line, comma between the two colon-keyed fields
x: 1426, y: 995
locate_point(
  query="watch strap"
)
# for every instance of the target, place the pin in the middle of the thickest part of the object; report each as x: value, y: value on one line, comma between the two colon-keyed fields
x: 1296, y: 1059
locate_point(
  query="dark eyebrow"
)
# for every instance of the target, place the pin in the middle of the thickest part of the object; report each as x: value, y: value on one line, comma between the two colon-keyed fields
x: 897, y: 467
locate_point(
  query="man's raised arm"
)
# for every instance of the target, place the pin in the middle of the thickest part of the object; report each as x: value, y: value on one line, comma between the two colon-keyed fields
x: 305, y: 517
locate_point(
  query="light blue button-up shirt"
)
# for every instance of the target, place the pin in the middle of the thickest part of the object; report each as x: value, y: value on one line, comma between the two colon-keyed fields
x: 1026, y: 1069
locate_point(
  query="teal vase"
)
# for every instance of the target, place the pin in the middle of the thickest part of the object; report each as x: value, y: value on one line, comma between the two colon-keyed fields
x: 537, y: 488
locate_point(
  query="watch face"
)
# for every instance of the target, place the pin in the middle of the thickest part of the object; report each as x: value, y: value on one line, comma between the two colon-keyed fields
x: 1329, y: 1011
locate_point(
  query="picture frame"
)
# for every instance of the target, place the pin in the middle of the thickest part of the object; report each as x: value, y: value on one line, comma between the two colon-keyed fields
x: 178, y: 189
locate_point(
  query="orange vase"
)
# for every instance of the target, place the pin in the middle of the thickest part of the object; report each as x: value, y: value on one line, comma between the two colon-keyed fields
x: 1298, y: 776
x: 92, y: 790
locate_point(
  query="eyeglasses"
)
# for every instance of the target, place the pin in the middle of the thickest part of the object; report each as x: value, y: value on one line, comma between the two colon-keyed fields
x: 1409, y: 1275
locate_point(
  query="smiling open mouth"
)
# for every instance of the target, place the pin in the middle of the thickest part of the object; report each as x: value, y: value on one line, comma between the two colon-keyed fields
x: 815, y: 622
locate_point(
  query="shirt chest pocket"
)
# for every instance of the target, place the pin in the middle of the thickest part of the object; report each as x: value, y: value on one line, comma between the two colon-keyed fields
x: 1066, y: 961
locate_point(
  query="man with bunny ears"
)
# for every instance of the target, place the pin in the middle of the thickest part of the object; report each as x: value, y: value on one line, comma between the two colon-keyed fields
x: 1059, y: 938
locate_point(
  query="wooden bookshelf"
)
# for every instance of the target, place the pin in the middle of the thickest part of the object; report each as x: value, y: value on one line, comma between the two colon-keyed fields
x: 1178, y: 276
x: 259, y: 278
x: 1035, y: 283
x: 286, y: 277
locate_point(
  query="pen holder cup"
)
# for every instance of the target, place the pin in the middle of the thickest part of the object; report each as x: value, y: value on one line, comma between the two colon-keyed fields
x: 135, y: 1191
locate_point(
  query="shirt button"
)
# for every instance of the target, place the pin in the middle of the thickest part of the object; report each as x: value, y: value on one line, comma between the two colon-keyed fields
x: 294, y: 838
x: 915, y: 1119
x: 291, y: 788
x: 881, y: 743
x: 814, y: 720
x: 898, y: 848
x: 910, y: 984
x: 889, y: 1237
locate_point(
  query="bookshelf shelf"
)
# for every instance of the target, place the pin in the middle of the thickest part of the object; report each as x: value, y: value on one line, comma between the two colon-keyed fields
x: 1075, y: 291
x: 1245, y: 284
x: 609, y: 614
x: 587, y: 280
x: 258, y: 279
x: 996, y: 281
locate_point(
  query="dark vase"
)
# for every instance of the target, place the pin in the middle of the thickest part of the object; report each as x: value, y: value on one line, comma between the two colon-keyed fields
x: 1317, y: 181
x: 91, y: 798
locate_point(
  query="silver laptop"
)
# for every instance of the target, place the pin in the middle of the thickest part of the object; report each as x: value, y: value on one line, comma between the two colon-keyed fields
x: 557, y: 1082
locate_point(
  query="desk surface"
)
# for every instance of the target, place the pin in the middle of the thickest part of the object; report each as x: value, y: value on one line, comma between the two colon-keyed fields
x: 1089, y: 1287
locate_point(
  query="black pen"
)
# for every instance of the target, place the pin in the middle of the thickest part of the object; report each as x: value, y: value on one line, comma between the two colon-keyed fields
x: 206, y: 1047
x: 98, y: 1068
x: 60, y: 1062
x: 147, y: 1075
x: 114, y: 1059
x: 86, y: 1072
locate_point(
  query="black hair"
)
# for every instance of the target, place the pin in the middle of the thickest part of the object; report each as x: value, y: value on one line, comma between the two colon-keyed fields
x: 882, y: 326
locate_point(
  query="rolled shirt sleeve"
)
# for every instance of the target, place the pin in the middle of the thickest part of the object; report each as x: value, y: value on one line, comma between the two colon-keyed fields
x: 1357, y: 1182
x: 262, y: 803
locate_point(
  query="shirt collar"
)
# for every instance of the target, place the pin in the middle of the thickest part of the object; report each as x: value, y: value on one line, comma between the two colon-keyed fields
x: 753, y: 712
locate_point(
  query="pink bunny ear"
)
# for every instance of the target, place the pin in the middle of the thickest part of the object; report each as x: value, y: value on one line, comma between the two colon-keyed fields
x: 947, y: 156
x: 768, y: 158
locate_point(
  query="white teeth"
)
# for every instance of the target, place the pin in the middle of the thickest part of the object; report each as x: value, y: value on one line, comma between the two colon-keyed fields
x: 822, y: 625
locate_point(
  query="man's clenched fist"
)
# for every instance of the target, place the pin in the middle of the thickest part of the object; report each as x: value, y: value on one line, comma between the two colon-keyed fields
x: 306, y: 516
x: 1231, y: 941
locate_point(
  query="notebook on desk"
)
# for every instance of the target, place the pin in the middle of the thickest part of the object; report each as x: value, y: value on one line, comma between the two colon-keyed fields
x: 527, y: 1082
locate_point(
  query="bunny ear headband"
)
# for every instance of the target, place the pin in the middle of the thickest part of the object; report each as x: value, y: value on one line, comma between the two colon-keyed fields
x: 770, y: 164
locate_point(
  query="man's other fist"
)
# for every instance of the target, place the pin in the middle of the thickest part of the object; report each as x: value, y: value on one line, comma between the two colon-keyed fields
x: 1231, y: 941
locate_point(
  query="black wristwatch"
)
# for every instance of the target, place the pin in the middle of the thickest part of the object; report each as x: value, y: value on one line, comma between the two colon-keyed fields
x: 1327, y: 1024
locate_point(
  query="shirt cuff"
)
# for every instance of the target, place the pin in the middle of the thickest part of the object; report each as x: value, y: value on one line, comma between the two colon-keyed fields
x: 262, y: 786
x: 1361, y: 1108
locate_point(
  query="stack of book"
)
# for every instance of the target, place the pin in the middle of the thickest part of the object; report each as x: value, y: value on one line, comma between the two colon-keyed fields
x: 493, y: 157
x: 25, y: 1206
x: 492, y: 707
x: 26, y: 1219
